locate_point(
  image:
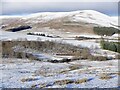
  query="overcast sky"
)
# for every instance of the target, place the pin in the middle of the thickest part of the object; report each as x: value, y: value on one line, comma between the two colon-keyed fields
x: 21, y: 7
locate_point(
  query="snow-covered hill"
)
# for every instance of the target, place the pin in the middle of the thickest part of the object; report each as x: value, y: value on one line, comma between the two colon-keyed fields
x: 87, y: 16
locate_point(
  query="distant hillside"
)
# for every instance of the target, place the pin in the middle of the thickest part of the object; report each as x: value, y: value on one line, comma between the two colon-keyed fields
x: 77, y: 21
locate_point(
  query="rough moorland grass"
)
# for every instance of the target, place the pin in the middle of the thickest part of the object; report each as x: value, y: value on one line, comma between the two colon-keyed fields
x: 117, y: 56
x: 83, y: 80
x: 98, y: 58
x: 28, y: 79
x: 39, y: 85
x: 74, y: 67
x: 14, y: 49
x: 63, y: 82
x: 105, y: 76
x: 69, y: 81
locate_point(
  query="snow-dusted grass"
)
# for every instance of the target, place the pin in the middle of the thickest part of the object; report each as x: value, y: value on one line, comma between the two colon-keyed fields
x: 25, y: 73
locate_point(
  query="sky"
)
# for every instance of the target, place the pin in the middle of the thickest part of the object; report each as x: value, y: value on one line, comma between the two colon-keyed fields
x: 23, y: 7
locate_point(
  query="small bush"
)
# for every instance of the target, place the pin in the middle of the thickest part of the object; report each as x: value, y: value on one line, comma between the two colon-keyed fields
x: 105, y: 76
x: 81, y: 81
x: 85, y: 53
x: 28, y: 79
x: 63, y: 82
x: 117, y: 56
x: 74, y: 67
x: 98, y: 58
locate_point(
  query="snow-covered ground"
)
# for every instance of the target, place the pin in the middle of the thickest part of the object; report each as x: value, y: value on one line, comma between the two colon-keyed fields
x: 23, y: 73
x: 17, y: 73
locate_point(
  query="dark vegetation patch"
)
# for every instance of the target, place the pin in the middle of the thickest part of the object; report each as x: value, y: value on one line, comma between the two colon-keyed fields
x: 112, y: 46
x: 38, y: 34
x: 19, y: 28
x: 63, y: 82
x: 109, y: 31
x: 42, y: 34
x: 83, y: 38
x: 65, y: 60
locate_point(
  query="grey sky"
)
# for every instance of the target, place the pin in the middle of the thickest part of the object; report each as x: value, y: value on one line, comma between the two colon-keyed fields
x: 12, y: 7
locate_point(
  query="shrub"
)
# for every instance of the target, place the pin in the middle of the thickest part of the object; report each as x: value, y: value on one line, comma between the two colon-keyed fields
x: 81, y: 81
x: 112, y: 47
x: 74, y: 67
x: 28, y: 79
x: 105, y: 76
x: 63, y: 82
x: 85, y: 54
